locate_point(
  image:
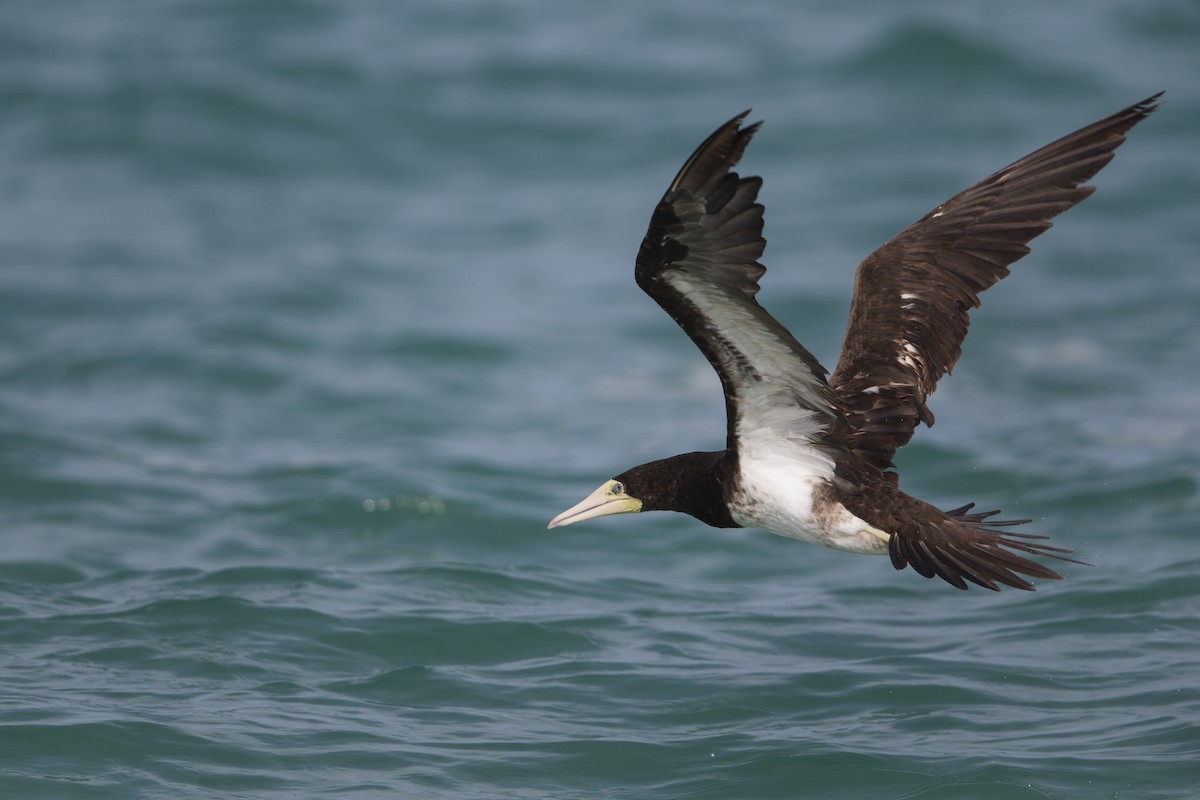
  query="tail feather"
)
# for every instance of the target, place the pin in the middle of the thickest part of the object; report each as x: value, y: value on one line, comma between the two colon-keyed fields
x: 964, y: 546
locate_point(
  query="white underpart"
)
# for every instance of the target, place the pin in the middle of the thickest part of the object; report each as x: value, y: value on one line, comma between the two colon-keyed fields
x: 779, y: 475
x: 780, y: 392
x: 744, y: 336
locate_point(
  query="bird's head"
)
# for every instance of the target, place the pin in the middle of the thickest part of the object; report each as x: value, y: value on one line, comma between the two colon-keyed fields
x: 680, y: 483
x: 612, y: 497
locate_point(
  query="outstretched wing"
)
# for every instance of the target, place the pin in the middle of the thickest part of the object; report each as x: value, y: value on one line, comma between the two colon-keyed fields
x: 699, y: 261
x: 911, y: 296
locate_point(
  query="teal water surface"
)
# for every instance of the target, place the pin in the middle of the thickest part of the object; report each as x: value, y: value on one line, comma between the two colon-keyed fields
x: 313, y: 314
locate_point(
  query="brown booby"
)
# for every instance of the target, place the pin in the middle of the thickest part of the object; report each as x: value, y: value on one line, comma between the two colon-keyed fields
x: 809, y: 456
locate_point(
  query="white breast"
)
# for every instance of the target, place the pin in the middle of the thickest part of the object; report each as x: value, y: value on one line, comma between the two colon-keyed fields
x: 778, y: 479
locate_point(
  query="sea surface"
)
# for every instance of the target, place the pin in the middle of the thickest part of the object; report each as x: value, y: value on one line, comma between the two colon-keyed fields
x: 312, y: 314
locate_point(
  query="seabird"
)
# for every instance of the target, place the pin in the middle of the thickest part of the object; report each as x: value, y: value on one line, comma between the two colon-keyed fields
x: 808, y: 454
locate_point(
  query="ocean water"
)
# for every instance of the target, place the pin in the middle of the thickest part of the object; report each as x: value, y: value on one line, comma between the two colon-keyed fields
x: 312, y: 314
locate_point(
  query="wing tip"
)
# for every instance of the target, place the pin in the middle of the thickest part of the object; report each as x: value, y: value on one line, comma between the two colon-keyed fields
x: 716, y: 156
x: 1146, y: 106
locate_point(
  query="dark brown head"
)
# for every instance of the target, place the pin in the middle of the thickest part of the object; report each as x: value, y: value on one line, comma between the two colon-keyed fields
x: 692, y: 483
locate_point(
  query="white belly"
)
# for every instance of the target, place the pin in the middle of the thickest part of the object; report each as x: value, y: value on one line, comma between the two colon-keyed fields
x: 777, y: 496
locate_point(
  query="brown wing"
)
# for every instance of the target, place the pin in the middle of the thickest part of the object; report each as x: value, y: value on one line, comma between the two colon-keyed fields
x: 699, y: 261
x: 911, y: 296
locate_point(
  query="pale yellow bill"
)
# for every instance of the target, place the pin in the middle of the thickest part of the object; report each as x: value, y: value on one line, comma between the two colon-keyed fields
x: 610, y: 498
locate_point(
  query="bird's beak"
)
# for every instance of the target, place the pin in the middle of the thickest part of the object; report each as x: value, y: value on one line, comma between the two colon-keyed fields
x: 605, y: 500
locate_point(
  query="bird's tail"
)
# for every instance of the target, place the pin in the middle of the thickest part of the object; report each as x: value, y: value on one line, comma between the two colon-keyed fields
x: 964, y: 545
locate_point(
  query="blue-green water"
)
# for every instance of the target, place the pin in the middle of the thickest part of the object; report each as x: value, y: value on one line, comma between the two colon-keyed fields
x: 312, y: 314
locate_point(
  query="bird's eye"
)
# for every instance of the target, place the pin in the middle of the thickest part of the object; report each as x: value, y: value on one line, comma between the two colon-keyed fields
x: 618, y: 487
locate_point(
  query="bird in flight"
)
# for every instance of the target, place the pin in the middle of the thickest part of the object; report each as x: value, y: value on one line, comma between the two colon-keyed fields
x: 808, y: 454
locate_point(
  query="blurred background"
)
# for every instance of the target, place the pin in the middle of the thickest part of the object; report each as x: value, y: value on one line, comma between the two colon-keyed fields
x: 312, y: 314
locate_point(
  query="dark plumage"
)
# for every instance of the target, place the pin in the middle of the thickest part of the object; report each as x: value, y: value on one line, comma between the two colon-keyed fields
x: 811, y: 458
